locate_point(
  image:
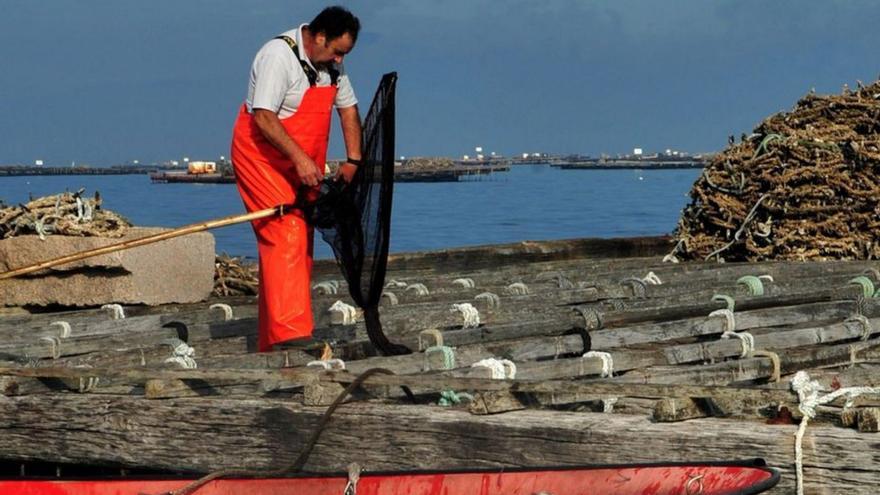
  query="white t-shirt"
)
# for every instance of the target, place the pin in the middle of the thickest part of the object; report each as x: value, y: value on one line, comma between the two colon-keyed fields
x: 278, y: 81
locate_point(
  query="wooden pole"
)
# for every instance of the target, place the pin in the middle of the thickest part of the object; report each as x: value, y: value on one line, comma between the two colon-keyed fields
x: 188, y: 229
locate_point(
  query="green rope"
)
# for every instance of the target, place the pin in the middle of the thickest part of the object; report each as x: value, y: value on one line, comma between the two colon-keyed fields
x: 754, y: 284
x: 866, y: 283
x: 447, y: 397
x: 731, y: 302
x: 764, y: 142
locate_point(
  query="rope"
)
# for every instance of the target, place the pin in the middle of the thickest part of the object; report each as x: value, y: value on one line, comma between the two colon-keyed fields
x: 421, y: 289
x: 867, y: 328
x: 866, y: 283
x: 745, y: 338
x: 392, y: 298
x: 65, y: 328
x: 54, y: 346
x: 492, y: 299
x: 300, y: 461
x: 394, y: 284
x: 349, y: 312
x: 731, y: 302
x: 607, y: 362
x: 354, y: 476
x: 730, y: 321
x: 608, y: 404
x: 182, y: 354
x: 808, y: 400
x: 753, y: 283
x: 501, y: 368
x: 327, y: 288
x: 448, y: 356
x: 433, y: 332
x: 518, y: 289
x: 466, y: 283
x: 469, y: 313
x: 115, y: 310
x: 652, y: 278
x: 639, y: 286
x: 563, y: 282
x: 227, y: 310
x: 592, y: 318
x: 87, y: 384
x: 329, y: 364
x: 774, y: 359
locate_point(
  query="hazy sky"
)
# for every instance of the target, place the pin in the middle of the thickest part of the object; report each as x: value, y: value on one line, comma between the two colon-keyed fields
x: 108, y: 81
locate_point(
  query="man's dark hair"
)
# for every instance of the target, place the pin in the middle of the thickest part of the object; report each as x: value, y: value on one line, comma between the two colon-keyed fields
x: 334, y: 22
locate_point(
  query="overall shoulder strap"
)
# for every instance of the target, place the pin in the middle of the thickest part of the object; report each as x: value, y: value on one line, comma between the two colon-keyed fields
x: 310, y: 72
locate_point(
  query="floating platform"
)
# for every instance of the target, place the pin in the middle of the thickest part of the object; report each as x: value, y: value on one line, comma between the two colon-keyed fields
x: 183, y: 177
x: 559, y: 353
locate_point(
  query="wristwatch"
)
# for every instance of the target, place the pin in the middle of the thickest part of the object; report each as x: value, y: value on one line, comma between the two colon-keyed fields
x: 354, y: 161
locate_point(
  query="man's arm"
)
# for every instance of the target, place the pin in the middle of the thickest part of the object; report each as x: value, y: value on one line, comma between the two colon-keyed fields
x: 351, y: 133
x: 271, y: 128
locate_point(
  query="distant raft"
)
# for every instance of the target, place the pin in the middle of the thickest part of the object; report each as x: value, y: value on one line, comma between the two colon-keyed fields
x: 68, y: 213
x: 802, y: 186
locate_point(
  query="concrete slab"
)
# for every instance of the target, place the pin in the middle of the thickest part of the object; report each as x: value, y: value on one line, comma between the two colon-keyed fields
x: 177, y: 270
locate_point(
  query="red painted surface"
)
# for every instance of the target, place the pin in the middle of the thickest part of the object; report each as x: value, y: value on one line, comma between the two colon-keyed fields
x: 651, y: 480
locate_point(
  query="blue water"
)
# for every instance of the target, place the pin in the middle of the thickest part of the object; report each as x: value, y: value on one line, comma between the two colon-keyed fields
x: 528, y: 203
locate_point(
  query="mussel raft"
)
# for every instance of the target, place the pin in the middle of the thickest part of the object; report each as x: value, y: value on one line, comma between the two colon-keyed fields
x: 529, y: 354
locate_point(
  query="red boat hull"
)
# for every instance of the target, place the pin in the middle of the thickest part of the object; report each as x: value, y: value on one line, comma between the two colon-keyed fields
x: 705, y: 479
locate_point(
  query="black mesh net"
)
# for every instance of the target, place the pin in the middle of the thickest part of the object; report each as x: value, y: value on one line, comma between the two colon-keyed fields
x: 355, y: 220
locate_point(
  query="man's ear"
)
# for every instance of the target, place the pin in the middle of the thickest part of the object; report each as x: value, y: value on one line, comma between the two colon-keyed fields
x: 321, y: 39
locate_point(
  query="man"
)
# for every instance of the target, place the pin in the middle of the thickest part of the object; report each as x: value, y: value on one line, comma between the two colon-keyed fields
x: 279, y: 149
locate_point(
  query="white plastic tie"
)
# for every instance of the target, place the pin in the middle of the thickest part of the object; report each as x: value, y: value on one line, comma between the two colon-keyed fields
x: 746, y: 339
x: 501, y: 368
x: 349, y: 312
x: 116, y: 311
x: 730, y: 321
x: 469, y: 313
x: 466, y: 283
x: 420, y: 289
x: 492, y: 299
x: 65, y: 328
x: 808, y: 400
x: 518, y: 289
x: 227, y: 310
x: 607, y: 362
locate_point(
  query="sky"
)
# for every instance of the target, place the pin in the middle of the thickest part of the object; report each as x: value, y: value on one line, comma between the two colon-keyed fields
x: 105, y: 82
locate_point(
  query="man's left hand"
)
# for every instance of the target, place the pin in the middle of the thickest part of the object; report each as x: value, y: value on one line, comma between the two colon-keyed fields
x: 346, y: 172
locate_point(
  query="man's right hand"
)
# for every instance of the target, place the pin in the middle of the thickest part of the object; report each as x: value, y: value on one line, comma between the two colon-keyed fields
x: 307, y: 172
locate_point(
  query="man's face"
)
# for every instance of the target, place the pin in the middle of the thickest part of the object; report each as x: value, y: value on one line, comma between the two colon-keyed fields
x: 328, y: 52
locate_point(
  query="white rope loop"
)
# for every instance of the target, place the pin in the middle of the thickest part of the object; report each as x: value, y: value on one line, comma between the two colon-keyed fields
x: 465, y: 283
x: 518, y: 289
x: 182, y: 354
x: 864, y: 322
x: 116, y: 311
x: 420, y: 289
x: 502, y: 369
x: 329, y: 364
x: 349, y: 312
x: 392, y: 298
x: 492, y: 299
x: 87, y: 384
x: 227, y: 310
x: 470, y: 314
x: 330, y: 287
x: 652, y: 279
x: 65, y: 328
x: 746, y: 339
x: 54, y: 346
x: 431, y: 332
x: 395, y: 284
x: 730, y: 321
x: 607, y: 362
x: 808, y: 400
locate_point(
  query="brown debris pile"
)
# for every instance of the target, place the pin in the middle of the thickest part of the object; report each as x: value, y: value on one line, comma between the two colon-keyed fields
x: 803, y: 186
x: 234, y: 277
x: 62, y: 214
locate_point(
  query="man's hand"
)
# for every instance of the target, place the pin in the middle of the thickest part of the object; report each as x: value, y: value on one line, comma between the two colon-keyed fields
x: 307, y: 172
x: 346, y: 172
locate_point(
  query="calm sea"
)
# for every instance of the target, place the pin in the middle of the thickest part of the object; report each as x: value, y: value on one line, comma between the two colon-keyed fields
x: 530, y: 202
